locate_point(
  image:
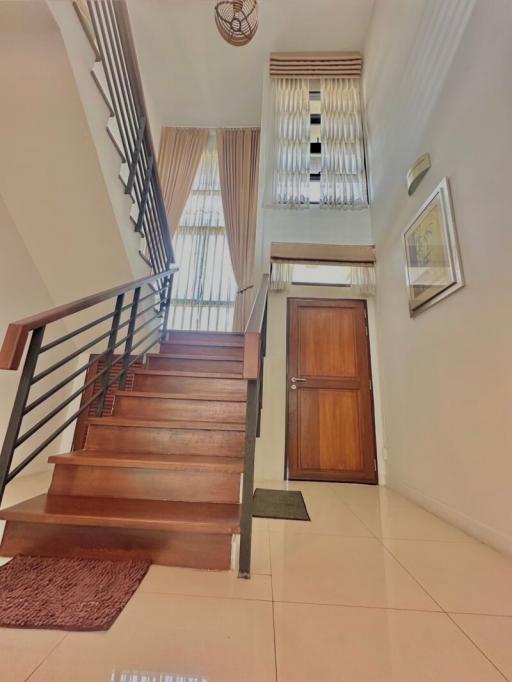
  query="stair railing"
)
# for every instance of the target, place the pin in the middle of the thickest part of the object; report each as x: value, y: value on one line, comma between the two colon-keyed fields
x: 107, y: 26
x: 255, y: 339
x: 52, y: 393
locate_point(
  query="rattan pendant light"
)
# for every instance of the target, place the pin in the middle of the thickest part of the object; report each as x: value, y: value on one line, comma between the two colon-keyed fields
x: 237, y: 20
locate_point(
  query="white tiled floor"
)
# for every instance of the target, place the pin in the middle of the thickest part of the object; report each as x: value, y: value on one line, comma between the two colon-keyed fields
x: 374, y: 589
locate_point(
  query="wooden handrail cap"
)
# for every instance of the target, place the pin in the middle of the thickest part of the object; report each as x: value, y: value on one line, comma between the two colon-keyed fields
x: 252, y: 335
x: 17, y: 332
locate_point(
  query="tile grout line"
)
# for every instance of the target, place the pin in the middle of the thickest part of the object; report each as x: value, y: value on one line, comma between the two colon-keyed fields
x: 443, y: 611
x: 388, y: 551
x: 45, y: 658
x: 356, y: 606
x: 316, y: 603
x: 470, y: 540
x: 473, y: 613
x: 273, y: 602
x: 381, y: 540
x: 208, y: 596
x: 466, y: 635
x: 369, y: 537
x: 387, y: 608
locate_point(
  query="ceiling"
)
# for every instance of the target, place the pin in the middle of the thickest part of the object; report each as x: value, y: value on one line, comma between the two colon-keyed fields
x: 192, y: 77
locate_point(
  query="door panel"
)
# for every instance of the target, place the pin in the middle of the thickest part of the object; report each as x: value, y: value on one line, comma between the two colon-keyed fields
x: 330, y: 431
x: 329, y: 324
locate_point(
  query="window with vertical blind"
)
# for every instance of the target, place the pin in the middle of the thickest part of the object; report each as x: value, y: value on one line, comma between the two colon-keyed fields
x: 318, y: 131
x: 204, y: 289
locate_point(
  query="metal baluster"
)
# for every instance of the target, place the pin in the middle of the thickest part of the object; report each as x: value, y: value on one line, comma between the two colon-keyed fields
x: 110, y: 351
x: 244, y: 565
x: 142, y: 207
x: 127, y: 108
x: 153, y: 230
x: 123, y: 51
x: 129, y: 337
x: 111, y: 27
x: 170, y: 281
x: 153, y: 210
x: 123, y: 118
x: 136, y: 156
x: 262, y: 363
x: 148, y: 235
x: 20, y: 402
x: 96, y: 18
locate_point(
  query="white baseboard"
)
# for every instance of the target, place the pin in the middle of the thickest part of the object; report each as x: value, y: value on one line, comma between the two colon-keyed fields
x: 477, y: 529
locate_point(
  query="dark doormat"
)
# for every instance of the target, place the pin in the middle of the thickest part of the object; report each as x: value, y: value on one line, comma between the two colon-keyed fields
x: 279, y: 504
x: 66, y: 594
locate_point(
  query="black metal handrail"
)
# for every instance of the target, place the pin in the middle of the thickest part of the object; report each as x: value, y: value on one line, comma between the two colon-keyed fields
x: 144, y: 317
x: 255, y: 343
x: 108, y: 28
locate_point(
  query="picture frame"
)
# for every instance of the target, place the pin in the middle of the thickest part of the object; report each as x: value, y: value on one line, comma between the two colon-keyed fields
x: 433, y: 266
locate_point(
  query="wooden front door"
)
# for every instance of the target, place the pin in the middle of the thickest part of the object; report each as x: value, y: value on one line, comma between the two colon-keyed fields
x: 330, y: 428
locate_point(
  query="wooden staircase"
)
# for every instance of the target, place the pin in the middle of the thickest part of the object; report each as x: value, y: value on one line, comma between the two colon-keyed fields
x: 160, y: 477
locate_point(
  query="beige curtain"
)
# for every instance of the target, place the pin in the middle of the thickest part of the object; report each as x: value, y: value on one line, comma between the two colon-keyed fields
x: 362, y: 280
x: 239, y: 152
x: 178, y: 160
x: 281, y: 276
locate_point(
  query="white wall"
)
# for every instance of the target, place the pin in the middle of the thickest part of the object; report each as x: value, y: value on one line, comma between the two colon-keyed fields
x: 437, y: 79
x: 312, y: 225
x: 81, y: 60
x: 19, y: 276
x: 270, y: 447
x: 192, y: 76
x: 50, y: 176
x: 59, y: 234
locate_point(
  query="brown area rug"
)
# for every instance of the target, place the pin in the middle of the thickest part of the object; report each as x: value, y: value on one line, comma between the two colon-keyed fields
x: 66, y: 594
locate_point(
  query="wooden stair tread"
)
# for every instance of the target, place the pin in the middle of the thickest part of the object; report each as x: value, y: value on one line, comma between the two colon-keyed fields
x: 187, y: 373
x: 183, y: 396
x: 166, y: 424
x: 200, y: 338
x: 191, y: 356
x: 149, y: 460
x: 190, y: 517
x: 202, y: 332
x: 197, y: 350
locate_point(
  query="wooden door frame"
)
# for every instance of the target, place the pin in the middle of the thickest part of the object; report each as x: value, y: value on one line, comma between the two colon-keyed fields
x: 313, y: 299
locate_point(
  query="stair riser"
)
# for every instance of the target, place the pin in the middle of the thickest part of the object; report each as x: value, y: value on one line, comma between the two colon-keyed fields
x: 205, y: 338
x: 165, y: 440
x: 171, y: 408
x: 145, y: 484
x: 193, y: 365
x: 166, y: 548
x: 230, y: 388
x: 228, y: 352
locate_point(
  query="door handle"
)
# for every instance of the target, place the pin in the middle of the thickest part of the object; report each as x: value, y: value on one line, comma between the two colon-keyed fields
x: 295, y: 379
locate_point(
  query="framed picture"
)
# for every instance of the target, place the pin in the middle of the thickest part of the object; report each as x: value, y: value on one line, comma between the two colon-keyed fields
x: 433, y: 266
